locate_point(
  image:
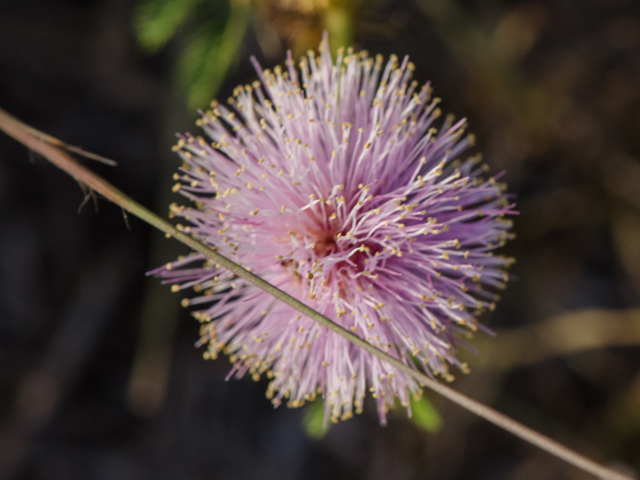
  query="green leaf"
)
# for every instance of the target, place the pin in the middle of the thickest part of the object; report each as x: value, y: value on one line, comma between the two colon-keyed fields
x: 211, y: 53
x: 425, y: 415
x: 156, y: 21
x: 313, y: 420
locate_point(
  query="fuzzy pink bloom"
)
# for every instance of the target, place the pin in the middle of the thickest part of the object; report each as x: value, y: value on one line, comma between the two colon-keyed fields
x: 333, y: 183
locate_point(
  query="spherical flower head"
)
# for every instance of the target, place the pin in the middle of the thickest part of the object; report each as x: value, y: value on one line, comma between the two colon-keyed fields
x: 337, y: 184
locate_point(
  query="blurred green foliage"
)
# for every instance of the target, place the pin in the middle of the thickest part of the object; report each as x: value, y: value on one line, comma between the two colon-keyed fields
x: 211, y: 52
x: 158, y: 20
x: 423, y: 414
x: 209, y: 34
x: 208, y: 50
x: 313, y: 420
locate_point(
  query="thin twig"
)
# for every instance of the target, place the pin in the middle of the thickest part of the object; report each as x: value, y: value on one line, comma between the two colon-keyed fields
x: 89, y: 155
x: 25, y: 135
x: 45, y: 137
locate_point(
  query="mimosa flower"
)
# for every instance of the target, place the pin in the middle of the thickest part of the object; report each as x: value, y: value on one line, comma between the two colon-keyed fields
x: 337, y: 184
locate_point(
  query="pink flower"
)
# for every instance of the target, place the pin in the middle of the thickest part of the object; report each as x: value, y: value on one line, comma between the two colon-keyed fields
x: 335, y: 183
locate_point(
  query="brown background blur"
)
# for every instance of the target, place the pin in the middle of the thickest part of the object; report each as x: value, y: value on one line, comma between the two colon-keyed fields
x: 99, y: 378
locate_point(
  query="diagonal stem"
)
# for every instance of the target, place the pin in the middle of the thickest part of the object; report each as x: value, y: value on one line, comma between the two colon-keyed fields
x: 32, y: 139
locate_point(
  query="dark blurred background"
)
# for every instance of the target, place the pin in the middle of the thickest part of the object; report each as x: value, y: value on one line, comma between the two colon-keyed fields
x: 99, y: 377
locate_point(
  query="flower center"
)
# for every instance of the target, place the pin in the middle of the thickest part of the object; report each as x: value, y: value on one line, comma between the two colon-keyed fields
x: 325, y: 246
